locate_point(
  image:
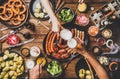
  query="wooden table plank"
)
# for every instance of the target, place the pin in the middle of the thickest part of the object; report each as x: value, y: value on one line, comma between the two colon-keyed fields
x: 41, y: 32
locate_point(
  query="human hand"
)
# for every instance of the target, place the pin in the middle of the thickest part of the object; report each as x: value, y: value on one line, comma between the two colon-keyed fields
x: 80, y: 46
x: 35, y: 72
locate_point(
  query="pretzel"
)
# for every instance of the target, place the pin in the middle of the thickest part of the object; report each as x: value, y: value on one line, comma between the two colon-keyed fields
x: 15, y: 21
x: 7, y: 15
x: 2, y: 10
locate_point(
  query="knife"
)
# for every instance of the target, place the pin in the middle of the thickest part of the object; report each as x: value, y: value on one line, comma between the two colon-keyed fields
x: 19, y: 44
x: 11, y: 32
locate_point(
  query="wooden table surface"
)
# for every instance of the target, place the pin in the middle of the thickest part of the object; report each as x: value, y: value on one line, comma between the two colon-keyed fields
x: 40, y: 33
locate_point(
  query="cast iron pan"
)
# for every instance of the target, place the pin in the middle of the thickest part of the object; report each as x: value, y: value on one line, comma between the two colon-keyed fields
x: 34, y: 2
x: 7, y: 23
x: 82, y: 64
x: 68, y: 26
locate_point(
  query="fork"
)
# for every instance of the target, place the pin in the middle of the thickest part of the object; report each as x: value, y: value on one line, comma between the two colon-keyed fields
x: 70, y: 59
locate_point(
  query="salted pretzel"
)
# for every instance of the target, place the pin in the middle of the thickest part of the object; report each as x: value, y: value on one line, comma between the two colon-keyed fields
x: 2, y: 10
x: 7, y: 15
x: 15, y: 21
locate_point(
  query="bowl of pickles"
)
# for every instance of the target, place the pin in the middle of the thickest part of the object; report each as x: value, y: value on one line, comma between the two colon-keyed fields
x: 66, y: 14
x: 54, y: 68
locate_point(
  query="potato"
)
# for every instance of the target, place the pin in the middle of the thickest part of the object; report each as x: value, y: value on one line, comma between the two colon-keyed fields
x: 88, y: 77
x: 3, y: 64
x: 36, y: 15
x: 41, y: 15
x: 5, y: 57
x: 11, y: 62
x: 6, y: 52
x: 37, y: 10
x: 13, y: 68
x: 11, y: 73
x: 12, y: 54
x: 3, y: 74
x: 16, y: 55
x: 6, y: 76
x: 19, y: 62
x: 22, y: 68
x: 15, y: 74
x: 20, y: 58
x: 82, y: 71
x: 88, y: 72
x: 6, y: 69
x: 15, y: 59
x: 81, y: 76
x: 14, y: 77
x: 18, y: 70
x: 7, y: 64
x: 1, y: 59
x: 44, y: 10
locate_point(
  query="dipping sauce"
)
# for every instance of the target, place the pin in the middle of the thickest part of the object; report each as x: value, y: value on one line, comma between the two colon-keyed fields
x: 93, y: 30
x: 34, y: 51
x: 72, y: 43
x: 41, y: 60
x: 97, y: 50
x: 25, y: 52
x: 101, y: 41
x: 104, y: 60
x: 30, y: 63
x: 82, y: 19
x: 106, y: 33
x: 66, y: 34
x: 82, y: 7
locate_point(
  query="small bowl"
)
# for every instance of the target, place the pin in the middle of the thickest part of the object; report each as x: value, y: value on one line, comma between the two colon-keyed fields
x: 25, y: 52
x: 106, y: 33
x: 66, y: 14
x: 93, y: 30
x: 82, y: 20
x: 97, y: 50
x: 101, y: 41
x: 109, y: 43
x: 42, y: 61
x: 113, y: 66
x: 50, y: 65
x: 82, y: 7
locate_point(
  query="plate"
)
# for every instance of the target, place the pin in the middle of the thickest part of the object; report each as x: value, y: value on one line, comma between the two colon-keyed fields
x: 11, y: 61
x: 7, y: 23
x: 82, y: 64
x: 45, y: 47
x: 38, y: 8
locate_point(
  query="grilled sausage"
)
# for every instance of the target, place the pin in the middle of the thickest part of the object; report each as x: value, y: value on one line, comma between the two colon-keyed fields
x: 56, y: 55
x: 47, y: 42
x: 52, y: 41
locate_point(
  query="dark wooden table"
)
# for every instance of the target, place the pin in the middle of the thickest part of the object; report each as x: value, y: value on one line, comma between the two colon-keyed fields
x: 40, y: 33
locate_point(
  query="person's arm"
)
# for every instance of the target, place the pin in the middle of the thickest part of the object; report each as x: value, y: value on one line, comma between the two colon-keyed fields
x: 55, y: 22
x: 100, y: 71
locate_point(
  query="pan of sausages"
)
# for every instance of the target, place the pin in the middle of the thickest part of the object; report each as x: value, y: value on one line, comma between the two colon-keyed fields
x: 55, y: 47
x: 13, y: 13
